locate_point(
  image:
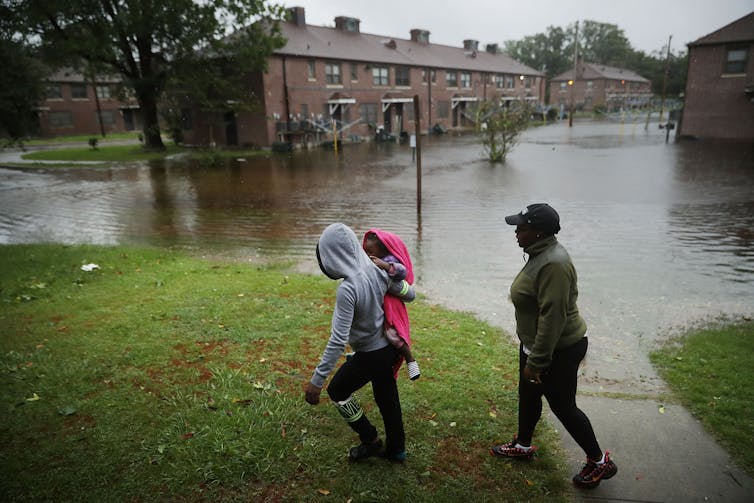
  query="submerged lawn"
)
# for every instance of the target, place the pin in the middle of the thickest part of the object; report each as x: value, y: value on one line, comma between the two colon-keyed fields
x: 161, y: 376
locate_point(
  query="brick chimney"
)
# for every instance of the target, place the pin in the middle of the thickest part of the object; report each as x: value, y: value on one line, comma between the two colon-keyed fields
x: 347, y: 24
x: 470, y: 45
x: 297, y: 16
x: 420, y: 36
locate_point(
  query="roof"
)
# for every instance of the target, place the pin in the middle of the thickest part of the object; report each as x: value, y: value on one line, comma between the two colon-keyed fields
x: 740, y: 30
x: 594, y: 71
x: 70, y: 75
x: 332, y: 43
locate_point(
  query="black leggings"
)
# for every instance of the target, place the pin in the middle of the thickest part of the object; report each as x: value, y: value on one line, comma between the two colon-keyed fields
x: 375, y: 367
x: 559, y: 388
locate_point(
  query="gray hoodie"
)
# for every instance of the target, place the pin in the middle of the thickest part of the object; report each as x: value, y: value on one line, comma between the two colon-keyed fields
x: 358, y: 317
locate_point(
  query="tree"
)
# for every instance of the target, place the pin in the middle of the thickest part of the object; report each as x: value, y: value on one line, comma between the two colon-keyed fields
x: 603, y: 43
x: 543, y: 51
x: 21, y: 82
x: 154, y: 44
x: 499, y: 127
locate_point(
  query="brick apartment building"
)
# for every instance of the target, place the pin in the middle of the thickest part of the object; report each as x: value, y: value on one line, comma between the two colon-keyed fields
x: 719, y: 97
x: 75, y: 105
x: 364, y: 82
x: 602, y: 86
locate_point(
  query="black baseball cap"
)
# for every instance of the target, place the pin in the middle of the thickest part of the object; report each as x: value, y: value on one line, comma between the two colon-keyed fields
x: 540, y: 216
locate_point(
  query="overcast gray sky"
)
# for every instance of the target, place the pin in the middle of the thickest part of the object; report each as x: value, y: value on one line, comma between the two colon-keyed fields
x: 646, y: 23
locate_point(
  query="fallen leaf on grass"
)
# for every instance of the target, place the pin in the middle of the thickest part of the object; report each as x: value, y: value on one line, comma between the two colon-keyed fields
x: 186, y: 436
x: 242, y: 401
x: 33, y: 398
x: 661, y: 409
x: 324, y: 492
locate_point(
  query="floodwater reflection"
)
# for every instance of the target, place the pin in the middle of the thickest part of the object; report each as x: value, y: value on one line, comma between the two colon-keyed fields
x: 661, y: 234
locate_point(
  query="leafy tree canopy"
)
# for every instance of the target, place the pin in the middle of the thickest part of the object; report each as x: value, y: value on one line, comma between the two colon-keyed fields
x: 155, y: 44
x: 21, y: 81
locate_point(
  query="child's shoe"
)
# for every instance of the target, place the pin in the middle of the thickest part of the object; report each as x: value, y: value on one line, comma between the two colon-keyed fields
x: 413, y: 370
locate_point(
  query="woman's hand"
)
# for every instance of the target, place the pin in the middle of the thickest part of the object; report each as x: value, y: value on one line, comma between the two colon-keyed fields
x: 532, y: 376
x: 312, y: 393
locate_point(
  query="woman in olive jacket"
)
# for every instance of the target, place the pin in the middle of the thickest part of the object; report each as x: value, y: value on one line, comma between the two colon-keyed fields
x: 553, y: 342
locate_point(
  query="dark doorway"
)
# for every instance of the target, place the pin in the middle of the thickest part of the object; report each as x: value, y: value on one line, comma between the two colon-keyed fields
x: 231, y: 128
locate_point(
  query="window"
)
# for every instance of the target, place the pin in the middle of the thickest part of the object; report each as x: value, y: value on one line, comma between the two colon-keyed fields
x: 402, y: 76
x: 311, y: 70
x: 304, y: 111
x: 108, y: 117
x: 432, y: 74
x: 103, y: 91
x: 735, y: 61
x: 443, y: 109
x: 354, y: 72
x: 509, y: 82
x: 527, y: 82
x: 380, y: 76
x: 499, y: 81
x: 332, y: 73
x: 451, y: 78
x: 465, y: 79
x: 60, y: 119
x: 78, y: 91
x: 563, y: 85
x: 54, y: 92
x: 368, y: 112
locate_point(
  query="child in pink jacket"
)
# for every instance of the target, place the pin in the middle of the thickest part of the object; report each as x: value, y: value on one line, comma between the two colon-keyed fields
x: 389, y: 253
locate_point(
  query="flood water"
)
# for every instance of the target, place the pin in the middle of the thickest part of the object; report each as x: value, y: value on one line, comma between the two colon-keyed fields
x: 662, y: 235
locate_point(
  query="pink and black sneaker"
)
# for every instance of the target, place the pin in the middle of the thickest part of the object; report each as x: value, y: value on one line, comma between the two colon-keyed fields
x: 590, y: 476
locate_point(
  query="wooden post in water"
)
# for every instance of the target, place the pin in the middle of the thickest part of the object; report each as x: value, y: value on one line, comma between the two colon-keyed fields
x: 418, y: 132
x: 335, y: 136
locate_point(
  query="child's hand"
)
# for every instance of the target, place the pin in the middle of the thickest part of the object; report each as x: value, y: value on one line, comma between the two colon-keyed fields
x: 379, y: 262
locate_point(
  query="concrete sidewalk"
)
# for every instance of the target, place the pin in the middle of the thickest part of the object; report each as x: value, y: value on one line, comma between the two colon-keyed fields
x: 661, y: 456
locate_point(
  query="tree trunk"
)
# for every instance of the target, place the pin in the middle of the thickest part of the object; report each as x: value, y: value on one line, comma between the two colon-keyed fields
x: 151, y: 126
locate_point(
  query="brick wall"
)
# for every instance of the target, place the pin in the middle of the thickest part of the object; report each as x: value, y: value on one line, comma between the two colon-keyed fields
x: 308, y: 100
x: 65, y: 114
x: 715, y: 104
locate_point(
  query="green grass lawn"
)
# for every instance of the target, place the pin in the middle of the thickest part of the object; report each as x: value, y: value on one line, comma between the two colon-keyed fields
x: 133, y: 153
x: 712, y: 371
x: 165, y: 377
x: 133, y: 135
x: 111, y: 153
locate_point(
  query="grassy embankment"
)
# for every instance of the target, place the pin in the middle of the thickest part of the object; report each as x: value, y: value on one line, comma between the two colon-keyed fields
x: 161, y: 376
x: 110, y: 150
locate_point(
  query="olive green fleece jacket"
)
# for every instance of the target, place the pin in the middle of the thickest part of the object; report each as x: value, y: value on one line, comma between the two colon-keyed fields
x: 544, y: 294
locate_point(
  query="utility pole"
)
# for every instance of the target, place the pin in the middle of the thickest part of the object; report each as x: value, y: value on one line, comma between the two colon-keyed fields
x: 572, y: 83
x: 665, y: 79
